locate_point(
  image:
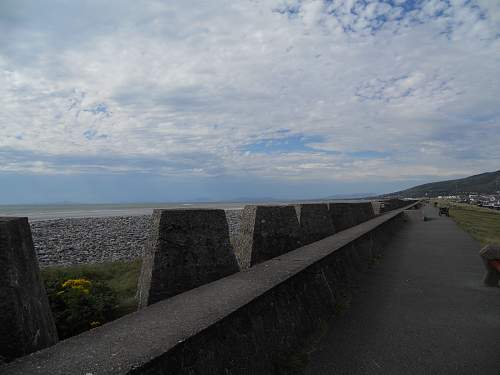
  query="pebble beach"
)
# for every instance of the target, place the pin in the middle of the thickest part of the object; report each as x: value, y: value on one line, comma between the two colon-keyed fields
x: 71, y: 241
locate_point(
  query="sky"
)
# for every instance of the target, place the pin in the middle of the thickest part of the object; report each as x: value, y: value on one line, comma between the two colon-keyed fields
x: 116, y: 101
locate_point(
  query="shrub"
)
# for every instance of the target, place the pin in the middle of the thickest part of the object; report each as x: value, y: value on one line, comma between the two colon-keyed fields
x: 80, y: 304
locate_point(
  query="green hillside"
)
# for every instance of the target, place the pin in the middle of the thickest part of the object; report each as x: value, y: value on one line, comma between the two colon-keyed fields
x: 481, y: 183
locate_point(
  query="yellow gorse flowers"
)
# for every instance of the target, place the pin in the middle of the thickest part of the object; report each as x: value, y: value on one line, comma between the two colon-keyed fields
x: 82, y: 285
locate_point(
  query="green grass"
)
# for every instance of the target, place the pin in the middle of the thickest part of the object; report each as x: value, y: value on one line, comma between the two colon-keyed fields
x: 121, y: 277
x: 481, y: 223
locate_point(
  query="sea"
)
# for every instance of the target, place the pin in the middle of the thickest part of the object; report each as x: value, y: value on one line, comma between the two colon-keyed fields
x: 38, y: 212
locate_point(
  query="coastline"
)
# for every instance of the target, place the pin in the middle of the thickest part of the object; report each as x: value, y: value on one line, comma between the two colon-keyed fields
x: 65, y: 211
x: 72, y: 234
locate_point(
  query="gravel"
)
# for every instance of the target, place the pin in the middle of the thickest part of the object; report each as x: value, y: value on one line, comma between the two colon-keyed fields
x: 96, y: 240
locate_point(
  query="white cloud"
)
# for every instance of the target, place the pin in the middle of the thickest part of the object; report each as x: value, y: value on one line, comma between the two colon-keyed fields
x: 312, y: 12
x: 184, y: 89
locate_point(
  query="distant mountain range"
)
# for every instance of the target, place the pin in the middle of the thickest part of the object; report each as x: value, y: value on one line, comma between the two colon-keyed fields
x: 486, y: 183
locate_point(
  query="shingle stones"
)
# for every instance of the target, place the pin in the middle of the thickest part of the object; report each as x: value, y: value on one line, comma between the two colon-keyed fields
x: 265, y: 233
x: 26, y: 323
x: 187, y: 248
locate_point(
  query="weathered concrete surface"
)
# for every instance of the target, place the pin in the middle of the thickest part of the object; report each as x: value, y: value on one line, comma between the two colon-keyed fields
x: 315, y: 222
x: 26, y: 322
x: 422, y: 310
x: 363, y: 212
x: 245, y: 323
x: 342, y: 216
x: 266, y: 232
x: 187, y: 248
x: 376, y: 205
x: 392, y: 204
x: 368, y: 211
x: 346, y: 215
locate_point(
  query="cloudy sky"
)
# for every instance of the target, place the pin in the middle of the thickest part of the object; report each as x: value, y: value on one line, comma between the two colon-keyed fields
x: 177, y: 100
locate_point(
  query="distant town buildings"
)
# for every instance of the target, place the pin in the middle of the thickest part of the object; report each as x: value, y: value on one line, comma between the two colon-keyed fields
x: 482, y: 200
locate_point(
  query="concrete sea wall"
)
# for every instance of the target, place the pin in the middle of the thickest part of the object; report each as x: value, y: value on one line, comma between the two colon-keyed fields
x: 245, y: 323
x: 71, y: 241
x: 392, y: 204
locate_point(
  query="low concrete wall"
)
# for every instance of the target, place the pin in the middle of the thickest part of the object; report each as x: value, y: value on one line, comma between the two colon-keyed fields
x: 245, y: 323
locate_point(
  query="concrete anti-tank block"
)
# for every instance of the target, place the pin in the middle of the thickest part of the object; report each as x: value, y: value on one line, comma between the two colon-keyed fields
x: 341, y: 215
x: 346, y: 215
x: 265, y: 233
x: 376, y: 205
x: 187, y: 248
x: 392, y: 204
x: 367, y: 212
x: 362, y: 212
x: 315, y: 222
x: 26, y: 322
x: 357, y: 213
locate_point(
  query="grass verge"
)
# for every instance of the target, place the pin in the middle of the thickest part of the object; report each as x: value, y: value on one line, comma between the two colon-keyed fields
x: 121, y: 277
x: 481, y: 223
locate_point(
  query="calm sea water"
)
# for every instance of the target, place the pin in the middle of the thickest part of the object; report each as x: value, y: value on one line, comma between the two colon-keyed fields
x: 57, y: 211
x: 54, y: 211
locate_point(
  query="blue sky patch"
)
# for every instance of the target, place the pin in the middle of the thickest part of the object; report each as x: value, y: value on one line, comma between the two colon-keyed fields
x: 100, y: 108
x: 91, y: 134
x: 368, y: 154
x: 293, y: 143
x: 291, y: 11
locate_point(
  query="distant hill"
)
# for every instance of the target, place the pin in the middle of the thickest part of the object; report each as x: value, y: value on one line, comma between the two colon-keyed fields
x: 480, y: 183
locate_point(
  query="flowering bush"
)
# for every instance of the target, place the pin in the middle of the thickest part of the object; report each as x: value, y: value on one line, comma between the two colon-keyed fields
x: 80, y: 284
x: 80, y: 304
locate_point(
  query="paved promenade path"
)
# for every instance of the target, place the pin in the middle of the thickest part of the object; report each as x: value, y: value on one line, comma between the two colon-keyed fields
x: 422, y: 310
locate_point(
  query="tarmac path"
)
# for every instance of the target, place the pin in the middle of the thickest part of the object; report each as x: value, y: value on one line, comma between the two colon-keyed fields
x: 422, y: 310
